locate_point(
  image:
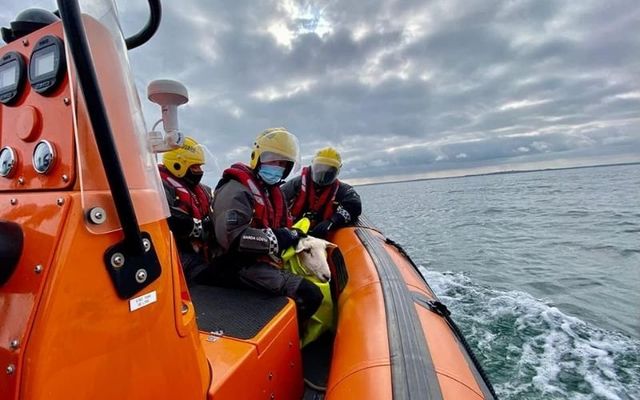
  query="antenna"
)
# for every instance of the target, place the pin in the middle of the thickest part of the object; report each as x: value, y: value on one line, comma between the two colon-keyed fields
x: 169, y: 94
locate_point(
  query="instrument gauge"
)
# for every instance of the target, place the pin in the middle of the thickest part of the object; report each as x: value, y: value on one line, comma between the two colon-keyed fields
x: 8, y: 162
x: 44, y: 156
x: 47, y: 64
x: 12, y: 71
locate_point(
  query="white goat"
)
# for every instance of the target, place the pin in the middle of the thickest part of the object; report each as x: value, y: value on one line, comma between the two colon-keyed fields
x: 312, y: 255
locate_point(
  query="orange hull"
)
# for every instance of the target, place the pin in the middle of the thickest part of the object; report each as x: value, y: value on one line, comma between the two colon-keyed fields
x: 389, y: 344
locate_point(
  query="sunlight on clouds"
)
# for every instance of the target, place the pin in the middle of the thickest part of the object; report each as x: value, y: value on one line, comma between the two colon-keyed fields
x: 375, y: 74
x: 238, y: 153
x: 508, y: 129
x: 628, y: 95
x: 522, y: 134
x: 311, y: 20
x: 496, y: 71
x: 291, y: 89
x: 289, y: 6
x: 578, y: 129
x: 283, y: 35
x: 559, y: 117
x: 408, y: 146
x: 453, y: 138
x: 207, y: 50
x: 307, y: 19
x: 414, y: 27
x: 200, y: 97
x: 360, y: 31
x: 461, y: 155
x: 426, y: 76
x: 268, y: 94
x: 236, y: 112
x: 418, y: 24
x: 521, y: 104
x: 523, y: 38
x: 540, y: 146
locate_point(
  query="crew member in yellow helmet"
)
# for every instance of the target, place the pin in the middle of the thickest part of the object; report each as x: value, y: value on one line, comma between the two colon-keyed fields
x: 319, y: 195
x: 190, y: 205
x: 253, y: 225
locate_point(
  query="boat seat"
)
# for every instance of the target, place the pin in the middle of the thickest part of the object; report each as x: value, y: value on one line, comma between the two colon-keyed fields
x: 246, y: 333
x: 238, y: 313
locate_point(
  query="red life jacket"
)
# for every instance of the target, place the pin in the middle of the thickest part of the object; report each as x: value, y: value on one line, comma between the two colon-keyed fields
x: 192, y: 200
x: 318, y: 201
x: 270, y: 210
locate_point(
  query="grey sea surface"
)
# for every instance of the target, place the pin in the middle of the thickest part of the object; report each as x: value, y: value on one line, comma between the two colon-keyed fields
x: 540, y: 269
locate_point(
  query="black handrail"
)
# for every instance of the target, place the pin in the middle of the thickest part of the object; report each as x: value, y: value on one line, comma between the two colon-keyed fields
x: 149, y: 29
x: 79, y: 47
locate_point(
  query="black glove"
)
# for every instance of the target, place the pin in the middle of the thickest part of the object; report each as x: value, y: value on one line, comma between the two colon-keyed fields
x: 341, y: 217
x: 286, y: 237
x: 322, y: 229
x: 312, y: 216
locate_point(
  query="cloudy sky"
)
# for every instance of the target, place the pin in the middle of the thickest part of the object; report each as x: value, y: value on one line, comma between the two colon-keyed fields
x: 403, y: 88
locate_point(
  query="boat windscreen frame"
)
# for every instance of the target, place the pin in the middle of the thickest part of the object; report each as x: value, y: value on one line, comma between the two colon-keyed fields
x: 132, y: 263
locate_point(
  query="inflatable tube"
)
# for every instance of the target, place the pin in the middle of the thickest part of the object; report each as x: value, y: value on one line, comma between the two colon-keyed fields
x: 394, y: 339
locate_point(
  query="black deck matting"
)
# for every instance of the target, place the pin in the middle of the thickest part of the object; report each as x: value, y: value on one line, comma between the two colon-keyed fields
x: 312, y: 394
x: 238, y: 313
x: 316, y: 360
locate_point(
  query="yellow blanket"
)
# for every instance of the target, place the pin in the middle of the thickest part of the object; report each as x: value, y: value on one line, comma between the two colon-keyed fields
x: 324, y: 319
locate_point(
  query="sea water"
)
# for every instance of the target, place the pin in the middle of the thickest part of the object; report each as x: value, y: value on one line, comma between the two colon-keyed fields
x: 541, y: 271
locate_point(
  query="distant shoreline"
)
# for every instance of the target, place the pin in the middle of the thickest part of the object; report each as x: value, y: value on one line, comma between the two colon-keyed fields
x: 524, y: 171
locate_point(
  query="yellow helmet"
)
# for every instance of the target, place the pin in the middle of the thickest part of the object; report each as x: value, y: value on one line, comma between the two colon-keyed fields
x: 178, y: 161
x: 275, y: 144
x: 325, y: 166
x: 328, y: 156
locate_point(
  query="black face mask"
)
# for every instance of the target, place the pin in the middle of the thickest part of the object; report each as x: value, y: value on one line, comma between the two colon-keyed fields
x: 191, y: 178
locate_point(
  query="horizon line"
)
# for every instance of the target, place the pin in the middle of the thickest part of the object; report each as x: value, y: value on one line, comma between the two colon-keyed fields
x: 511, y: 171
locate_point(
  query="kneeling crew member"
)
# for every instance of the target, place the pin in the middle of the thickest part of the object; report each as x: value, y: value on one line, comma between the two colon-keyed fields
x: 318, y: 195
x: 252, y: 223
x: 190, y: 205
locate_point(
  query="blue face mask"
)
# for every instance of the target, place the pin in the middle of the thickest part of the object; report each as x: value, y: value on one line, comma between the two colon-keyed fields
x: 271, y: 174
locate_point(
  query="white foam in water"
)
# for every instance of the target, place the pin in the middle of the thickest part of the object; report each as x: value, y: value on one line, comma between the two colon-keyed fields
x: 535, y: 350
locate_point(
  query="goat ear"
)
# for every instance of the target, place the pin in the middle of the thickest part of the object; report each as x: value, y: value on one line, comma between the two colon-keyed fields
x: 302, y: 244
x: 329, y: 244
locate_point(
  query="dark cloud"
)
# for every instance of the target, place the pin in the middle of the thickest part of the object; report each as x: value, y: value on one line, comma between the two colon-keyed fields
x: 402, y: 87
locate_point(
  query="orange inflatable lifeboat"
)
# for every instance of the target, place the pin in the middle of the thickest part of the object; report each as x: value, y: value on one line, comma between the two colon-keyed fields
x: 93, y: 302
